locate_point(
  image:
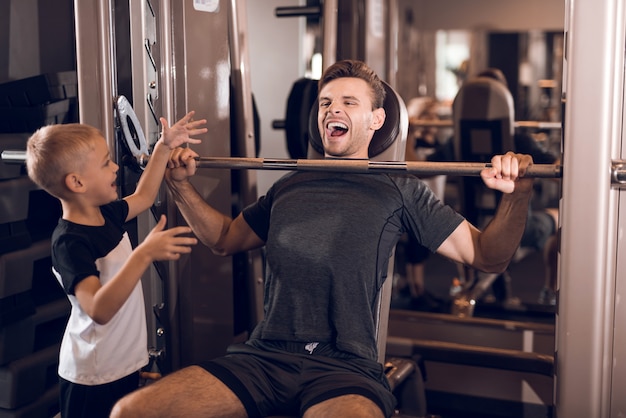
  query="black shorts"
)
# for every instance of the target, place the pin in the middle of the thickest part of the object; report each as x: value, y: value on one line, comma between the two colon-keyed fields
x: 283, y: 378
x: 78, y: 401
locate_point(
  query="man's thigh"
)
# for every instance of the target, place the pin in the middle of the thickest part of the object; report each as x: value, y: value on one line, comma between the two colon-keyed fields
x: 189, y: 392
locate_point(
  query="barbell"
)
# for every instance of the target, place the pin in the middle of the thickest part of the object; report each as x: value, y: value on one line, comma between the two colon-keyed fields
x: 358, y: 166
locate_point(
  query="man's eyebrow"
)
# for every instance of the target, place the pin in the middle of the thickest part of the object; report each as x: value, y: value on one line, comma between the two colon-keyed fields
x: 342, y: 97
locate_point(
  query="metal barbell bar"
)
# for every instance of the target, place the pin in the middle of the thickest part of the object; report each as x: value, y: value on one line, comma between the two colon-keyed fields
x: 419, y: 168
x: 434, y: 123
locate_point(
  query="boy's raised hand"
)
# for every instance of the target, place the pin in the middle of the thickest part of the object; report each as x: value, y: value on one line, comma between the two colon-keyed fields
x: 182, y: 131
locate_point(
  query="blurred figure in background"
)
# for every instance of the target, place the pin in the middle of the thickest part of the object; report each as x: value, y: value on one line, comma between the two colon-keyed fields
x: 423, y: 144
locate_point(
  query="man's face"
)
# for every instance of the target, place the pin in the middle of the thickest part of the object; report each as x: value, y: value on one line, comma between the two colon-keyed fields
x: 345, y: 118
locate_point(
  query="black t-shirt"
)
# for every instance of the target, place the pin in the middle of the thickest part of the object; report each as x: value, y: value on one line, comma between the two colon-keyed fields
x: 75, y: 248
x: 328, y: 239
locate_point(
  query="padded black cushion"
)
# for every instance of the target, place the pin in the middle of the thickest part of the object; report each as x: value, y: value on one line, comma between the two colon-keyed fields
x: 301, y: 98
x: 383, y: 137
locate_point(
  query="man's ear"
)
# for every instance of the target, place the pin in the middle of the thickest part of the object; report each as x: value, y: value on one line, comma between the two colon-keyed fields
x: 73, y: 183
x: 379, y: 118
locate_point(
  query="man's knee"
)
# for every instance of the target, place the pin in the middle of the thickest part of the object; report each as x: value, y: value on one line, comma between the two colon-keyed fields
x: 120, y: 409
x: 129, y: 406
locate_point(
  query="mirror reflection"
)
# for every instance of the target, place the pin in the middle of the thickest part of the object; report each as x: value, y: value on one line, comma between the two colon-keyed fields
x: 433, y: 66
x: 525, y: 68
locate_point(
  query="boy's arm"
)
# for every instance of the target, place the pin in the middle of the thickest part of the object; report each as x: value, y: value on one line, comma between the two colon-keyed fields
x: 100, y: 302
x: 178, y: 134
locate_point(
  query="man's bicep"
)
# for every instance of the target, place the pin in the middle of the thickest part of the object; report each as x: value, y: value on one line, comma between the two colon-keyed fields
x: 241, y: 237
x: 460, y: 245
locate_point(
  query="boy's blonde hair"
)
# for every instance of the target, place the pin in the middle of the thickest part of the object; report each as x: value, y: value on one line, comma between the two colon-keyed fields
x: 54, y: 151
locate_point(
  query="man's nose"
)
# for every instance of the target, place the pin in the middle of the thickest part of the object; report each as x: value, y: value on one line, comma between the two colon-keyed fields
x: 334, y: 108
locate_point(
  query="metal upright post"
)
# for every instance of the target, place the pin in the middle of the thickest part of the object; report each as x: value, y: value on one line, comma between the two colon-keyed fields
x: 589, y: 358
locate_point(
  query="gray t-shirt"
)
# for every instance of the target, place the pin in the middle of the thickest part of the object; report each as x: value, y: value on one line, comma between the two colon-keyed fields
x: 328, y: 240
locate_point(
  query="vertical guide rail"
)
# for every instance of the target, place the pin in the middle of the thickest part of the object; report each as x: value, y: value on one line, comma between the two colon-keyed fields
x: 167, y: 104
x: 164, y: 34
x: 329, y: 33
x: 587, y: 320
x: 393, y: 28
x: 95, y: 59
x: 242, y: 90
x: 244, y: 146
x: 145, y: 62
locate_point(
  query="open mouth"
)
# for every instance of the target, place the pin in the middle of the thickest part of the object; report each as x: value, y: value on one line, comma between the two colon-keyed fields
x: 335, y: 129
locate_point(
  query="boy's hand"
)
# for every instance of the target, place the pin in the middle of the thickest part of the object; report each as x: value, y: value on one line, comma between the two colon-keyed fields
x: 506, y: 173
x: 182, y: 131
x: 162, y: 244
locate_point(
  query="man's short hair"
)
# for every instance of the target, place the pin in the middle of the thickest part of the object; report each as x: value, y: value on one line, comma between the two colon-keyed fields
x: 356, y: 69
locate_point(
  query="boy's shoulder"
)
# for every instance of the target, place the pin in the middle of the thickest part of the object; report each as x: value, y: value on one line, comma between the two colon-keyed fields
x: 114, y: 212
x: 117, y: 208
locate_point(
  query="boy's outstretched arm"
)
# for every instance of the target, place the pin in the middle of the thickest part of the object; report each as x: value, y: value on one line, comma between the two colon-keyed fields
x: 171, y: 137
x: 101, y: 303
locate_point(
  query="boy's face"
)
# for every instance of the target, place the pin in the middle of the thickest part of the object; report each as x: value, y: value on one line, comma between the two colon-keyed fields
x: 99, y: 174
x: 346, y: 120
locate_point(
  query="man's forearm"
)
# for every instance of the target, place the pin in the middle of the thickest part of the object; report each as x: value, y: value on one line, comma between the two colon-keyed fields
x: 501, y: 238
x: 207, y: 223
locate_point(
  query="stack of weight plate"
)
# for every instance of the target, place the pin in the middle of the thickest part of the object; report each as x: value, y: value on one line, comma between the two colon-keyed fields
x: 33, y: 307
x: 29, y: 103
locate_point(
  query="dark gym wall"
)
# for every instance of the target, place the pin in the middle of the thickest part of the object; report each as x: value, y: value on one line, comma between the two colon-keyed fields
x: 504, y: 53
x: 5, y: 8
x: 36, y: 36
x: 57, y: 41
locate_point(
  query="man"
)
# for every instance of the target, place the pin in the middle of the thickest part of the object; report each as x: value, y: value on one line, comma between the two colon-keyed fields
x: 328, y: 238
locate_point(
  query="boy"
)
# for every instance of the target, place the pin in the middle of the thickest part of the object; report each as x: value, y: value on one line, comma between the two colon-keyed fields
x: 105, y: 341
